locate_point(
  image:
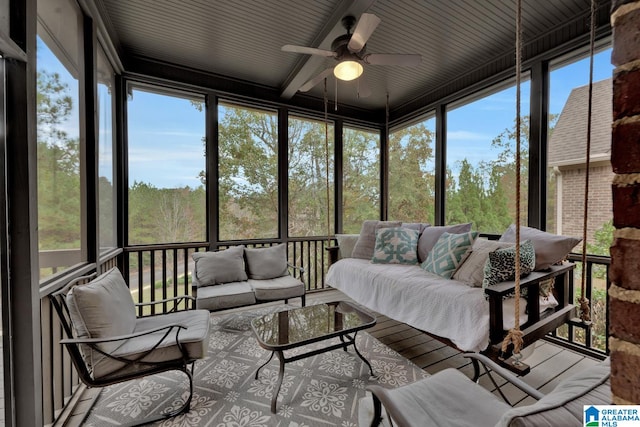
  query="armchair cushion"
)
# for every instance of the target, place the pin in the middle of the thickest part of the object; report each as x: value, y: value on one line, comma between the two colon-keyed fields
x: 194, y: 340
x: 266, y: 263
x: 214, y: 268
x: 447, y: 398
x: 565, y: 404
x: 102, y: 308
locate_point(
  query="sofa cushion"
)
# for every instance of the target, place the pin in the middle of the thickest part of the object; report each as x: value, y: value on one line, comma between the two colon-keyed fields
x: 501, y: 265
x: 367, y: 238
x: 346, y: 242
x: 396, y: 245
x: 266, y: 263
x: 284, y: 287
x: 448, y: 253
x: 550, y: 248
x: 471, y: 271
x: 430, y: 236
x: 235, y: 294
x: 214, y: 268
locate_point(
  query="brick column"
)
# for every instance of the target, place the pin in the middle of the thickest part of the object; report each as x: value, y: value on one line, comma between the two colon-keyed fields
x: 624, y: 294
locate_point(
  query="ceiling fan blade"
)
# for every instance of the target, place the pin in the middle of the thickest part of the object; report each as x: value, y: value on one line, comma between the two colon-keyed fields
x: 407, y: 60
x: 364, y: 28
x: 308, y: 50
x: 317, y: 79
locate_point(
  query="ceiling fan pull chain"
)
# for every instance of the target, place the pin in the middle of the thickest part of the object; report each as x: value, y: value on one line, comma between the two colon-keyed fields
x: 336, y: 97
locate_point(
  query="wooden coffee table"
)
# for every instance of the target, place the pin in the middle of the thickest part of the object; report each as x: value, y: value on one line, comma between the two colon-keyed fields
x: 294, y: 328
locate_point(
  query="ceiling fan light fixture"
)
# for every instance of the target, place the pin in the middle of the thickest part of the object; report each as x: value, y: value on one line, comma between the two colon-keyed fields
x: 348, y: 70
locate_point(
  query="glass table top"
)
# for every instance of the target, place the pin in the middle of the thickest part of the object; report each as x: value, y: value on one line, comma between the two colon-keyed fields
x: 299, y: 326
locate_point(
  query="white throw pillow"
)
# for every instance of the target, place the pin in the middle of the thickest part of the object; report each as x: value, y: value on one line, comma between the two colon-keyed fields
x: 471, y: 271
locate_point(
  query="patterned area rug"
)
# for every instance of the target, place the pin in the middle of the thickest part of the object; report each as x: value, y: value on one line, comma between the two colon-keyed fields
x: 321, y: 390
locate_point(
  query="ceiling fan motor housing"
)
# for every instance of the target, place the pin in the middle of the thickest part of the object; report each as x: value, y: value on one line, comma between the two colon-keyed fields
x: 339, y: 46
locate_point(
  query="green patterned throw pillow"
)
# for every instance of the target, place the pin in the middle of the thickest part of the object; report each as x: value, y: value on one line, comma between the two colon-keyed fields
x: 396, y: 245
x: 501, y: 264
x: 448, y: 253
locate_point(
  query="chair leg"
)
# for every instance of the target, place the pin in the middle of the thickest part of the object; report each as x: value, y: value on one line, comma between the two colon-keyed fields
x: 304, y: 299
x: 186, y: 406
x: 187, y: 403
x: 377, y: 411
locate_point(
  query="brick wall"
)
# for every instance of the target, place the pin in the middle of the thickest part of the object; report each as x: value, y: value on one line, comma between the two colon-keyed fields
x: 624, y: 294
x: 600, y: 203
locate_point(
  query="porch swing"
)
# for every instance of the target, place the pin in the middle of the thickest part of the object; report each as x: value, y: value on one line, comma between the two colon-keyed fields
x: 450, y: 398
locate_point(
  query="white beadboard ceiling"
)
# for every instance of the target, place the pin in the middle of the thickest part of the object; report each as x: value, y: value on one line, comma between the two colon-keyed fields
x: 462, y: 41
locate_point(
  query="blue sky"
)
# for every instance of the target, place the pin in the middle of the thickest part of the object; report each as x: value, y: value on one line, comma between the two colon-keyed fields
x: 165, y: 132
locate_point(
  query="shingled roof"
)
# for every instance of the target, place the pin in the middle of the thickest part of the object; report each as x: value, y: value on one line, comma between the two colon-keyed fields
x: 567, y: 145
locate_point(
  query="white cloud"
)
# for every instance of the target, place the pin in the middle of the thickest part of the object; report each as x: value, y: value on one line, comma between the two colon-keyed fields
x: 181, y: 133
x: 166, y: 154
x: 465, y: 135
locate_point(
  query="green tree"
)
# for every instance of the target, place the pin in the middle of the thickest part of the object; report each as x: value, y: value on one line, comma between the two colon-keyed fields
x: 411, y: 174
x: 307, y: 154
x: 361, y: 174
x: 59, y: 207
x: 248, y: 174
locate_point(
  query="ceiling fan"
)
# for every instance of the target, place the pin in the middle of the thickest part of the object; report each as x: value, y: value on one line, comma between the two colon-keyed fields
x: 350, y: 52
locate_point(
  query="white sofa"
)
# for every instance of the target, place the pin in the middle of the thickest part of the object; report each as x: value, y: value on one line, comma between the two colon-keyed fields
x: 241, y: 276
x: 469, y: 317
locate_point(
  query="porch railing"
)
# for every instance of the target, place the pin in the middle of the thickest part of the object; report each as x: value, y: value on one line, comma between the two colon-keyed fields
x: 155, y: 272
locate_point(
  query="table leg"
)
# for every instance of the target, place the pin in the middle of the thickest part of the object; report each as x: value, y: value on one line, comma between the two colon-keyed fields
x: 263, y: 365
x: 280, y: 378
x: 360, y: 355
